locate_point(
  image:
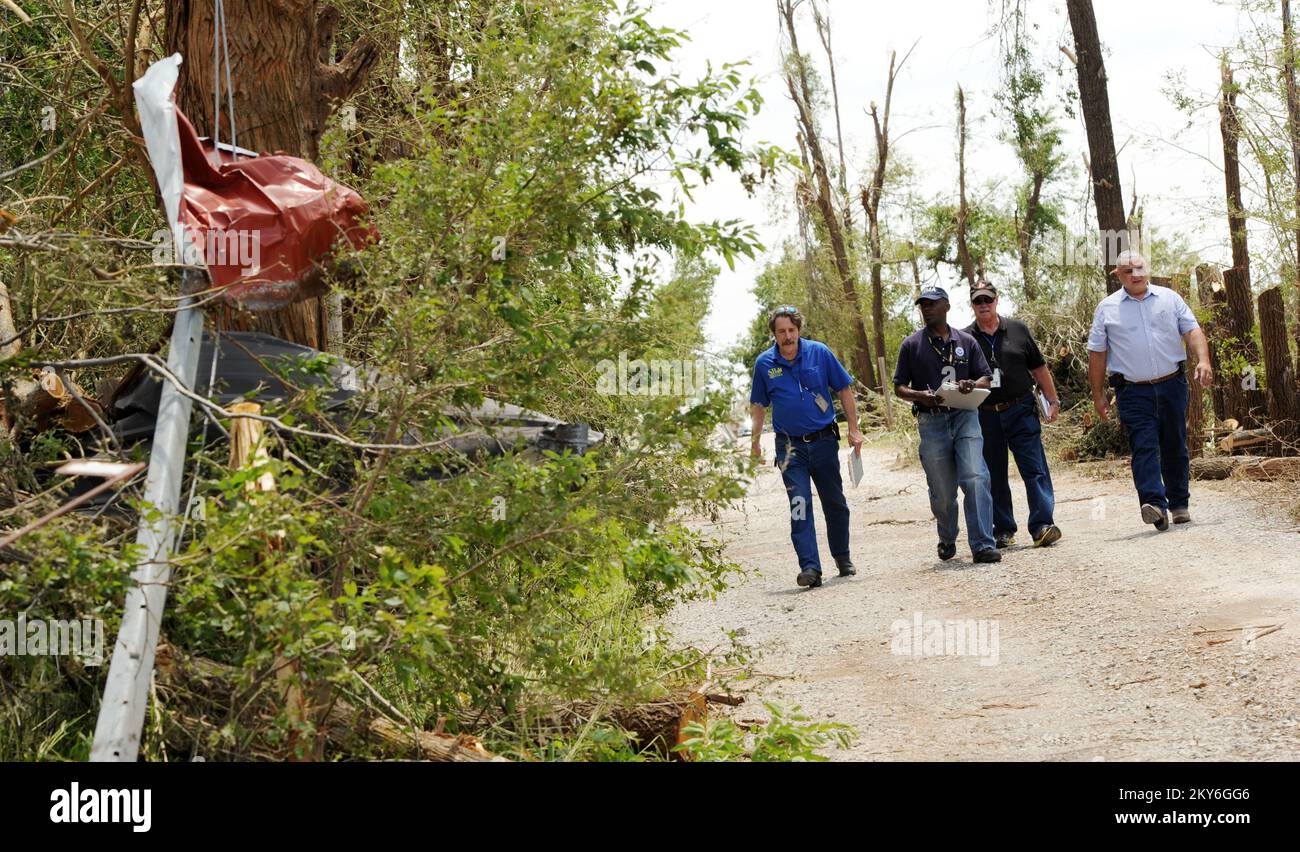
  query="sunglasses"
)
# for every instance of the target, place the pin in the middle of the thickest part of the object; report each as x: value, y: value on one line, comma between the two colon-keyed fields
x: 982, y: 300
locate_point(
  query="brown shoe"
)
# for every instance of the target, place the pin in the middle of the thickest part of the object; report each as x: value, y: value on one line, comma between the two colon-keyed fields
x: 1181, y: 516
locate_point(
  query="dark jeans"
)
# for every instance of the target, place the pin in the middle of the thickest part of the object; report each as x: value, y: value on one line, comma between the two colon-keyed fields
x: 1155, y: 417
x: 1017, y: 429
x: 952, y: 454
x: 803, y: 465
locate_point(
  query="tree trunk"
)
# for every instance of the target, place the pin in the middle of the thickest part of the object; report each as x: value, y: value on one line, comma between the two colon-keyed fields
x: 963, y: 250
x: 1240, y: 314
x: 1095, y: 101
x: 1293, y: 130
x: 802, y: 97
x: 285, y: 87
x: 1181, y: 284
x: 824, y: 33
x: 1283, y: 410
x: 1025, y: 235
x: 871, y: 196
x: 1209, y: 285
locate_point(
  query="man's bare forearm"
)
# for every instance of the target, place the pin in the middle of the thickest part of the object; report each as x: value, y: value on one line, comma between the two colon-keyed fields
x: 1043, y: 376
x: 850, y: 404
x: 1199, y: 345
x: 1096, y: 372
x: 757, y: 414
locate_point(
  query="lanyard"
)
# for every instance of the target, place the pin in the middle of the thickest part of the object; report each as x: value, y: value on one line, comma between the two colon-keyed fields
x: 794, y: 368
x: 946, y: 356
x: 993, y: 345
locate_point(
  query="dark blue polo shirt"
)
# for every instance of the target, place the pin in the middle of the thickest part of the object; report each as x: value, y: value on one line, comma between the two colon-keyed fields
x: 926, y: 362
x: 791, y: 387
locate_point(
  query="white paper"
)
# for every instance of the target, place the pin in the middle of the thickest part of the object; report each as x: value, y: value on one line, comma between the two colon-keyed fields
x: 855, y: 467
x: 953, y: 398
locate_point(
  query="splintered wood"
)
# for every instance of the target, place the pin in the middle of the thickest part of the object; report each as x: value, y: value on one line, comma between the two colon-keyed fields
x: 247, y: 449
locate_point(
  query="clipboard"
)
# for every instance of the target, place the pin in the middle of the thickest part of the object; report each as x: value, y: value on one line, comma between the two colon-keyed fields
x: 1044, y: 406
x: 953, y: 398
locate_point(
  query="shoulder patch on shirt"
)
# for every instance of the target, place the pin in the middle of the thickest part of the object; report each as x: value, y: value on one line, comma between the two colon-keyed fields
x: 775, y: 372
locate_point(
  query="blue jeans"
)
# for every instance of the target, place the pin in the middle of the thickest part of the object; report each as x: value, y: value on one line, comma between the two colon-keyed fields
x: 952, y: 453
x: 1155, y: 417
x: 802, y: 465
x: 1017, y: 429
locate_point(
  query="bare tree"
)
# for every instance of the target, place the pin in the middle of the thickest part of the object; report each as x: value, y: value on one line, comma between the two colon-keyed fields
x: 823, y: 23
x: 871, y: 197
x: 796, y: 78
x: 963, y: 211
x: 1095, y: 101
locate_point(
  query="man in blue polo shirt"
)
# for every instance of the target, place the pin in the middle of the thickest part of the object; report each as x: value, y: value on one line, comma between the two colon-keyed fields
x: 952, y: 445
x: 1138, y: 335
x: 799, y: 379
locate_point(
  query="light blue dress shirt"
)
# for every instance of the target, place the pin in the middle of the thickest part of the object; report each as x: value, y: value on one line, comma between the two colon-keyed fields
x: 1144, y: 337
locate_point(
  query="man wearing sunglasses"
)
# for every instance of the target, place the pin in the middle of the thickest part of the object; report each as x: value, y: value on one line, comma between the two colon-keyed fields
x: 1009, y: 418
x: 952, y: 446
x: 798, y: 379
x: 1138, y: 336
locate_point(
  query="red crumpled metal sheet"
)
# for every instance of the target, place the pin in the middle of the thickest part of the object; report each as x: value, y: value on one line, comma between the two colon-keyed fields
x: 262, y: 224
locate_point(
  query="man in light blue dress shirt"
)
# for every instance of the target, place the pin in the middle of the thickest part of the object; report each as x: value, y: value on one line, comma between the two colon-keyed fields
x: 1138, y: 335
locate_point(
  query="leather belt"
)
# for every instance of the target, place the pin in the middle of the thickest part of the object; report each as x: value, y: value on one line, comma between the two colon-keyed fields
x: 814, y: 436
x: 1175, y: 374
x: 1003, y: 406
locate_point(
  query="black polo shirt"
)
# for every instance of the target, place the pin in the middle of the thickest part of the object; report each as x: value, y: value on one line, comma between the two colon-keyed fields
x: 1012, y: 350
x: 925, y: 361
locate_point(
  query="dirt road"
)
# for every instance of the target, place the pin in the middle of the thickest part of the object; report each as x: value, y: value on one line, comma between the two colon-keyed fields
x: 1089, y: 650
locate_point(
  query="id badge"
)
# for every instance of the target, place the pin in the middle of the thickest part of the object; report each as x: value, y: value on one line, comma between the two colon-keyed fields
x: 997, y: 378
x: 821, y: 403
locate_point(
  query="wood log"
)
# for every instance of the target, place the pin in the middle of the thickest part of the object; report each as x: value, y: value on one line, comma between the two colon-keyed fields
x: 1219, y: 467
x: 1269, y: 470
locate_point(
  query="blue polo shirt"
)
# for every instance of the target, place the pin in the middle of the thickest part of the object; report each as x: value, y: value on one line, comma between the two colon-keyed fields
x: 791, y: 387
x: 924, y: 362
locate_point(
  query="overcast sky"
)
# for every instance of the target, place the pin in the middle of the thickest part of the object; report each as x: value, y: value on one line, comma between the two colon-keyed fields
x: 1178, y: 171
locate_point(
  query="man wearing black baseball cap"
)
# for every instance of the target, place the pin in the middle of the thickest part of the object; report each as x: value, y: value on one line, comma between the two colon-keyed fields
x: 952, y: 446
x: 1009, y: 418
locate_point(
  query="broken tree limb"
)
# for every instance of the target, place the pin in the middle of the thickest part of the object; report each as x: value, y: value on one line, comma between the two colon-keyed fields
x: 1246, y: 438
x: 182, y: 678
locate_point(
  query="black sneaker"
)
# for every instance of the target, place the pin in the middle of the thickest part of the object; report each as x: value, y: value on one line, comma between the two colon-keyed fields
x: 1152, y: 514
x: 1047, y: 536
x: 1005, y: 540
x: 947, y: 551
x: 811, y: 579
x: 846, y: 567
x: 988, y: 556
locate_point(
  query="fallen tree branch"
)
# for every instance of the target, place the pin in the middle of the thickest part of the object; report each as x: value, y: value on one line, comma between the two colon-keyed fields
x: 181, y: 675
